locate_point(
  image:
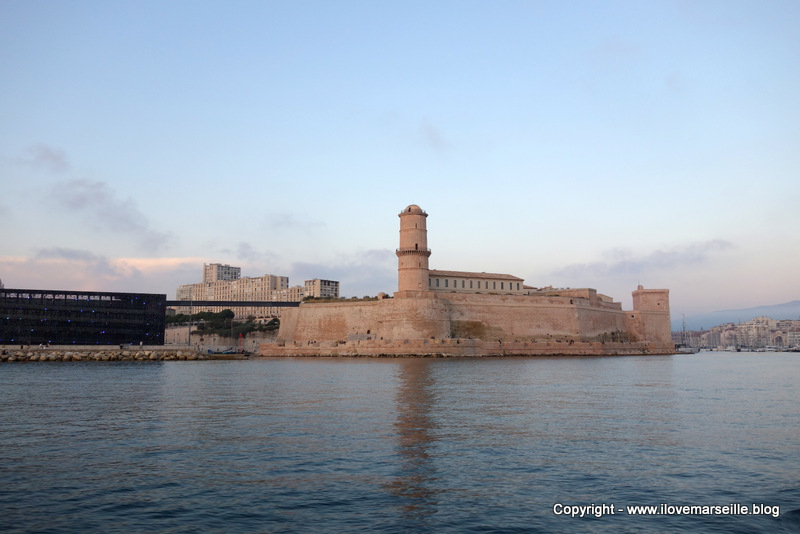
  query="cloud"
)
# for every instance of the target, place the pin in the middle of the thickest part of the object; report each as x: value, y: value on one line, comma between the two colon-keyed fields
x: 674, y: 83
x: 97, y: 202
x: 432, y: 137
x: 364, y: 273
x: 47, y: 157
x: 61, y: 268
x: 621, y: 262
x: 287, y: 221
x: 98, y: 265
x: 81, y: 270
x: 615, y: 47
x: 245, y: 252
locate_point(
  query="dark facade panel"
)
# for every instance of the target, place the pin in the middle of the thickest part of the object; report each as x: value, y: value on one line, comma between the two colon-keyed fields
x: 33, y: 316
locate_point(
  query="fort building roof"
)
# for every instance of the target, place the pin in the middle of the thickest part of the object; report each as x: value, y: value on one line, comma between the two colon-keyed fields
x: 482, y: 276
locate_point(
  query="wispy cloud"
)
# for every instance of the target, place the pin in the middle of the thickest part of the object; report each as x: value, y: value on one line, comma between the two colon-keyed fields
x: 45, y: 156
x: 622, y: 262
x: 65, y: 269
x: 432, y: 137
x: 248, y: 253
x: 364, y: 273
x: 616, y: 48
x: 292, y: 221
x: 99, y: 204
x: 96, y: 265
x: 62, y: 268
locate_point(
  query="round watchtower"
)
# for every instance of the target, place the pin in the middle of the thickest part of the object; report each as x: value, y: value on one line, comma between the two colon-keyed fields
x: 413, y: 254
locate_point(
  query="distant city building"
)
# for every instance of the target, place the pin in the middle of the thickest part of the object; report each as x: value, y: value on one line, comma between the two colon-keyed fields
x: 33, y: 316
x: 757, y: 333
x: 224, y: 283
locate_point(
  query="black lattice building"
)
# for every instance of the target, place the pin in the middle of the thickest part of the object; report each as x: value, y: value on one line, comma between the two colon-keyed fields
x: 32, y: 316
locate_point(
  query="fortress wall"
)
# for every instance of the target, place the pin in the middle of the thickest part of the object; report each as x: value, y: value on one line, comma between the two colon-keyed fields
x: 288, y: 324
x: 511, y: 317
x: 595, y: 321
x: 421, y: 316
x: 651, y: 326
x: 401, y: 318
x: 329, y: 321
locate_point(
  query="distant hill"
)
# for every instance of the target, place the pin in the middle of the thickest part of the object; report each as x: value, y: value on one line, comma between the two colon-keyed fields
x: 790, y: 310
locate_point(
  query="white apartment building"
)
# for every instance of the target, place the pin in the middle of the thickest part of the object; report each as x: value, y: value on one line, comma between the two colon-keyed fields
x: 224, y: 283
x: 213, y: 272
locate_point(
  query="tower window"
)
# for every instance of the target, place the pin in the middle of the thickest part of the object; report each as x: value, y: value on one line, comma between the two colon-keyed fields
x: 446, y: 281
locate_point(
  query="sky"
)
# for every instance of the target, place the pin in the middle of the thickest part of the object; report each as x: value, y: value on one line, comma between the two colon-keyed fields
x: 573, y: 144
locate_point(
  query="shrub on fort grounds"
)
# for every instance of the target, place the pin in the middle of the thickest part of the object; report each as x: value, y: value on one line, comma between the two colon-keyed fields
x: 222, y: 324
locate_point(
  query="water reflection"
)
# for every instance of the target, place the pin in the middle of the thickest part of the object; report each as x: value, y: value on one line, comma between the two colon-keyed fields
x: 414, y: 426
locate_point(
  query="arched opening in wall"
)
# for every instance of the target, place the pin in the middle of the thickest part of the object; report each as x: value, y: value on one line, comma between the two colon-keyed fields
x: 416, y: 246
x: 367, y: 332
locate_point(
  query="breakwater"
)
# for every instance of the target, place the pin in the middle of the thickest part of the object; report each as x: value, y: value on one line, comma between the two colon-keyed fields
x: 110, y: 355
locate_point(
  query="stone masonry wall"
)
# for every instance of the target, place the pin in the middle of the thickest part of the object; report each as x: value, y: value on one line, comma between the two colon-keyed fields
x: 387, y: 319
x: 428, y: 315
x: 456, y: 348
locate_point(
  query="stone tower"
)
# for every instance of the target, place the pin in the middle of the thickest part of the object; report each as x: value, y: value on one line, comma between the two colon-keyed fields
x: 413, y: 254
x: 651, y: 315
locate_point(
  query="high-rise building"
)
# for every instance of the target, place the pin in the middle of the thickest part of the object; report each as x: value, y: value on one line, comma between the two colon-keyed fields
x: 224, y: 283
x: 213, y: 272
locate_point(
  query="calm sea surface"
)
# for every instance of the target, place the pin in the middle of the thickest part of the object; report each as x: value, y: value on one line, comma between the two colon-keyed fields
x: 399, y: 445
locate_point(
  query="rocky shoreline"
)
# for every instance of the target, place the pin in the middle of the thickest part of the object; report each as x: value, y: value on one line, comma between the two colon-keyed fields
x: 111, y: 355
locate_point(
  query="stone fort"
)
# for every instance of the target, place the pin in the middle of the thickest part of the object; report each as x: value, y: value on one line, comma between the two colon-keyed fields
x: 460, y: 313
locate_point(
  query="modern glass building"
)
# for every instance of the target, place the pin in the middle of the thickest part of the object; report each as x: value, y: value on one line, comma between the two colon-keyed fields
x: 33, y: 316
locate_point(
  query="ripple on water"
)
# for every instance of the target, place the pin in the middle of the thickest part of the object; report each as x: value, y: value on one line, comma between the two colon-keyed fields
x: 397, y: 445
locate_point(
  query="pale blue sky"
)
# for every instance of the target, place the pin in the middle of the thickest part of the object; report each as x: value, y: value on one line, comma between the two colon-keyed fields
x: 599, y: 144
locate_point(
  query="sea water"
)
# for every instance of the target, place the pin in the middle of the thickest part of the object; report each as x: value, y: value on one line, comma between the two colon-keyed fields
x: 403, y: 445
